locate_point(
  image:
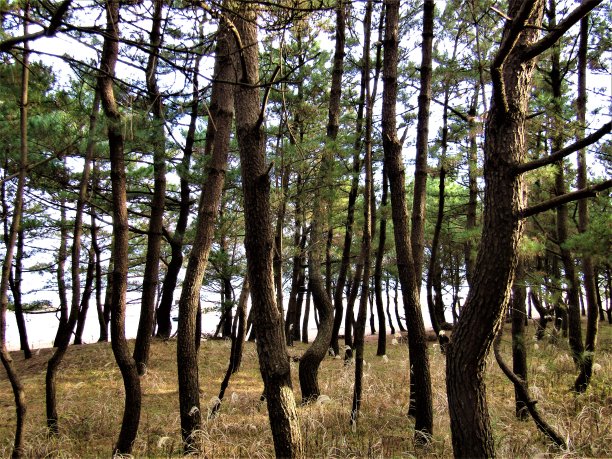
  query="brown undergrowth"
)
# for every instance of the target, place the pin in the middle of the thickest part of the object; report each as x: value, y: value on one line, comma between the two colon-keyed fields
x: 90, y: 395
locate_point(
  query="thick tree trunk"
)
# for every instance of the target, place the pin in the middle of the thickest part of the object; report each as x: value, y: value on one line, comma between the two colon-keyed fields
x: 127, y: 366
x: 419, y: 360
x: 487, y: 299
x: 150, y: 279
x: 259, y: 240
x: 217, y: 148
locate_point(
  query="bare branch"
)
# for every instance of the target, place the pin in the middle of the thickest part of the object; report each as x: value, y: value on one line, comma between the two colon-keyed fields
x: 589, y: 192
x: 560, y: 154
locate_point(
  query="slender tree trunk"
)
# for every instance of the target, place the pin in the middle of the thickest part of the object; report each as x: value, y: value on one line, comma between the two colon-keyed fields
x: 259, y: 239
x: 238, y: 335
x: 519, y: 348
x: 311, y: 359
x: 61, y: 274
x: 417, y: 239
x: 127, y: 366
x: 392, y: 328
x: 150, y: 279
x: 217, y: 148
x: 103, y: 324
x: 15, y: 284
x: 366, y: 238
x: 590, y: 287
x: 7, y: 360
x: 84, y: 303
x: 306, y: 318
x: 417, y: 345
x: 400, y: 323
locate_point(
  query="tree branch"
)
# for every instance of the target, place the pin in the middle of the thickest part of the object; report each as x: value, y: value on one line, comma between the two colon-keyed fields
x: 49, y: 31
x: 589, y: 192
x: 551, y: 38
x: 521, y: 387
x: 560, y: 154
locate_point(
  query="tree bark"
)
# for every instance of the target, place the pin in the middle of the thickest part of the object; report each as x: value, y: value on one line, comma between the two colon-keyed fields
x: 417, y: 235
x: 519, y: 349
x: 311, y: 359
x: 127, y: 366
x: 5, y: 356
x: 392, y: 146
x: 259, y: 241
x: 217, y: 149
x: 488, y: 296
x: 150, y: 279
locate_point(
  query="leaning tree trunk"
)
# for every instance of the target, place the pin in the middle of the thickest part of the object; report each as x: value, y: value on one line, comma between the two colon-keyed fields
x: 419, y: 360
x: 505, y: 149
x: 154, y: 234
x: 259, y: 240
x: 7, y: 360
x: 519, y: 348
x: 311, y: 359
x: 217, y: 148
x: 127, y: 366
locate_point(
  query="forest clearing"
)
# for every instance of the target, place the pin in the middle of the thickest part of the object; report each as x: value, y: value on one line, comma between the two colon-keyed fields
x: 90, y: 390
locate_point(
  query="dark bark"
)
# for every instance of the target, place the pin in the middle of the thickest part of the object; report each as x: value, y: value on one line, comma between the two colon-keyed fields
x: 306, y: 318
x: 15, y: 284
x: 544, y: 313
x: 259, y: 240
x: 216, y: 148
x: 238, y: 335
x: 487, y: 299
x: 7, y: 361
x: 311, y: 359
x: 62, y: 256
x: 586, y: 363
x: 164, y: 310
x: 87, y: 291
x: 399, y: 319
x: 417, y: 345
x: 127, y: 366
x: 472, y: 190
x: 150, y: 279
x: 103, y: 324
x: 392, y: 328
x: 521, y: 386
x: 519, y: 350
x: 417, y: 235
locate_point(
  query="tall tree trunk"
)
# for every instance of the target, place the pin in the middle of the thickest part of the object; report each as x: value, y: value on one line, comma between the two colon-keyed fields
x: 311, y: 359
x: 417, y: 236
x: 572, y: 292
x: 216, y: 148
x: 417, y: 345
x: 259, y: 240
x: 127, y: 366
x: 84, y: 303
x: 102, y: 323
x: 472, y: 159
x: 62, y: 256
x: 387, y: 290
x: 590, y: 287
x: 150, y: 279
x: 366, y: 238
x: 7, y: 360
x: 505, y: 149
x: 164, y: 310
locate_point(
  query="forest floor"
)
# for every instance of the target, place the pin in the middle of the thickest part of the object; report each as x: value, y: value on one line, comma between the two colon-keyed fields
x: 90, y: 396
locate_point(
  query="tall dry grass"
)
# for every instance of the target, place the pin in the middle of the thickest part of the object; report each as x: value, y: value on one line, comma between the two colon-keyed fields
x: 90, y: 394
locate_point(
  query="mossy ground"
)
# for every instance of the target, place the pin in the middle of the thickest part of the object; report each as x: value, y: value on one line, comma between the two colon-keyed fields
x: 90, y: 395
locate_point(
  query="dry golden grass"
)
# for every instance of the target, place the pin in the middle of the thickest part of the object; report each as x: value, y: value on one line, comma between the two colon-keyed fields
x: 90, y: 394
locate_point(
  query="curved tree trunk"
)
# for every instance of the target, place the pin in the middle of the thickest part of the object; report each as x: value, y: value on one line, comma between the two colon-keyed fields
x: 310, y: 361
x: 259, y: 240
x: 217, y: 148
x: 7, y: 361
x: 150, y: 279
x: 127, y: 366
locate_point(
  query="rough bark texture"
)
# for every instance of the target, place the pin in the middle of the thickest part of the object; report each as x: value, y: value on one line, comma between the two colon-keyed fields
x: 417, y: 236
x: 127, y: 366
x: 488, y: 297
x: 311, y: 359
x: 217, y: 148
x: 259, y: 242
x: 154, y: 234
x: 417, y: 345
